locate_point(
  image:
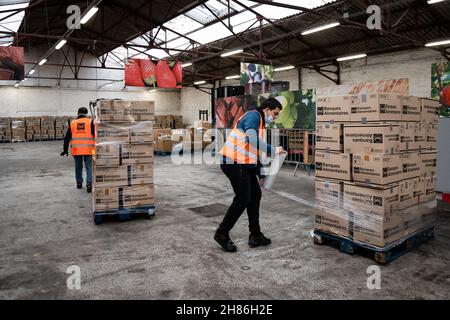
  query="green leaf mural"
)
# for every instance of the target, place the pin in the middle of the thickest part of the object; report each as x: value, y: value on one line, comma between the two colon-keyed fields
x: 299, y: 109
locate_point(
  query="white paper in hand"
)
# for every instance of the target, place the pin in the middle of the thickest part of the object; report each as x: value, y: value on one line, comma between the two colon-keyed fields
x: 275, y: 167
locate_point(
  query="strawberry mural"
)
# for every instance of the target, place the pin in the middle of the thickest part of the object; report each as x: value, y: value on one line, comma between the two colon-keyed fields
x: 145, y: 73
x: 148, y: 72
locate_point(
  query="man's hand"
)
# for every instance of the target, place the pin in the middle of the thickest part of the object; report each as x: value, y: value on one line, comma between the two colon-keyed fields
x: 261, y: 181
x: 280, y: 150
x: 64, y: 153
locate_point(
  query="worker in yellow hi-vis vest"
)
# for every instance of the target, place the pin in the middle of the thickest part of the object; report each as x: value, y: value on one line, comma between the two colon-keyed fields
x: 81, y: 137
x: 241, y: 165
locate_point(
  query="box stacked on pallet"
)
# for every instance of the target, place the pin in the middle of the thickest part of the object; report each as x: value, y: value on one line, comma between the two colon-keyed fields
x: 5, y: 130
x: 61, y: 126
x: 123, y: 164
x: 33, y: 125
x: 48, y: 128
x: 18, y: 130
x: 375, y: 167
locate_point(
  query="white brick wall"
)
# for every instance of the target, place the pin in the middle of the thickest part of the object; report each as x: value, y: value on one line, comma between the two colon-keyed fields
x: 193, y: 100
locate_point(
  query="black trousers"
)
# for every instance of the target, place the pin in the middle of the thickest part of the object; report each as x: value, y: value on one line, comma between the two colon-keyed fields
x: 247, y: 196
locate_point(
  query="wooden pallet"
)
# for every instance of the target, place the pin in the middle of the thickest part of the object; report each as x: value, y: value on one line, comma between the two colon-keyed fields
x: 380, y: 255
x: 125, y: 214
x: 162, y: 153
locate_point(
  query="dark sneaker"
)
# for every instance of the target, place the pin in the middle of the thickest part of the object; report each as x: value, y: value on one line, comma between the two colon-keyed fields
x: 225, y: 242
x: 89, y: 188
x: 258, y: 240
x: 79, y: 185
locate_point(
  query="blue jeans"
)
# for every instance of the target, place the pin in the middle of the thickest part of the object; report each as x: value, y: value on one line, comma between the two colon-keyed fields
x: 79, y: 169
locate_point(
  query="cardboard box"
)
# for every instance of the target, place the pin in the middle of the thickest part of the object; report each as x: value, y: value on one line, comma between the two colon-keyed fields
x: 407, y: 136
x: 333, y: 223
x: 420, y: 136
x: 408, y: 196
x: 428, y: 163
x: 411, y: 164
x: 333, y: 165
x: 374, y: 107
x: 125, y: 111
x: 105, y: 199
x: 126, y: 175
x: 377, y: 168
x: 430, y: 189
x: 106, y: 132
x: 336, y: 108
x: 164, y: 145
x: 431, y: 132
x: 372, y: 138
x: 123, y: 154
x: 429, y: 111
x: 378, y: 234
x: 329, y: 137
x: 141, y: 132
x: 329, y: 192
x: 411, y: 108
x: 370, y: 199
x: 157, y: 133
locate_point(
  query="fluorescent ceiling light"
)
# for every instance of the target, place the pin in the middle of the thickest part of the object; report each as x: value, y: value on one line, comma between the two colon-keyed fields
x: 89, y: 15
x: 320, y: 28
x: 42, y: 62
x: 284, y: 68
x: 31, y: 72
x: 199, y: 82
x: 434, y: 1
x: 437, y: 43
x: 61, y: 44
x: 233, y: 77
x: 187, y: 64
x: 356, y: 56
x: 230, y: 53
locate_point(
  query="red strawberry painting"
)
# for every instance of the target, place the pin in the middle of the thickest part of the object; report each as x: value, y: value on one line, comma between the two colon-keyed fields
x: 133, y: 75
x: 165, y: 77
x: 148, y: 72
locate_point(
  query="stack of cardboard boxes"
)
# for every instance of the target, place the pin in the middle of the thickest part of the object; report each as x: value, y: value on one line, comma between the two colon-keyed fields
x: 375, y: 166
x: 48, y: 128
x: 168, y: 122
x: 61, y: 126
x: 18, y: 129
x: 5, y: 130
x: 123, y: 164
x: 33, y: 126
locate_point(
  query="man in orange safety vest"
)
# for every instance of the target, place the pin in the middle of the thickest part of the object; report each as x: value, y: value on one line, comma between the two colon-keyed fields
x: 242, y: 166
x: 81, y: 137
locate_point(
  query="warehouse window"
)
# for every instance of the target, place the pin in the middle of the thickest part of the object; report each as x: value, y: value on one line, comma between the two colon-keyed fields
x: 10, y: 24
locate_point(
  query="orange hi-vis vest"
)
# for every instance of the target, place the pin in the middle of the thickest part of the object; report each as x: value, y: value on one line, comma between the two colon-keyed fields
x: 83, y: 142
x: 238, y: 148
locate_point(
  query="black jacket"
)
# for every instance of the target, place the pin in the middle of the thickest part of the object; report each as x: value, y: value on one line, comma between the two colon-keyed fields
x: 68, y: 136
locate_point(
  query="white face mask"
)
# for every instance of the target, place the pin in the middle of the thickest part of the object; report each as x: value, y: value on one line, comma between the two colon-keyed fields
x: 269, y: 119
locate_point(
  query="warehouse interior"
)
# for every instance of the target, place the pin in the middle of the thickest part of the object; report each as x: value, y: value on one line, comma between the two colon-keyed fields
x: 317, y: 51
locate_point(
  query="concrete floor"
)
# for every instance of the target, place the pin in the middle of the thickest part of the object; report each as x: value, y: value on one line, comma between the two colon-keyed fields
x: 46, y: 226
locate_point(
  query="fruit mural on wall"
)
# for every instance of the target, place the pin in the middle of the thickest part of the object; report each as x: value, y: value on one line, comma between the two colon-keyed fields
x: 299, y: 109
x: 255, y: 73
x: 156, y: 74
x: 440, y: 86
x: 228, y: 110
x: 12, y: 63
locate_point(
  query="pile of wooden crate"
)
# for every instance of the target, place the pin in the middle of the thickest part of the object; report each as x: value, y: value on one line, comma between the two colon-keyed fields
x: 123, y: 162
x: 5, y: 130
x: 168, y: 122
x: 375, y: 167
x: 18, y: 130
